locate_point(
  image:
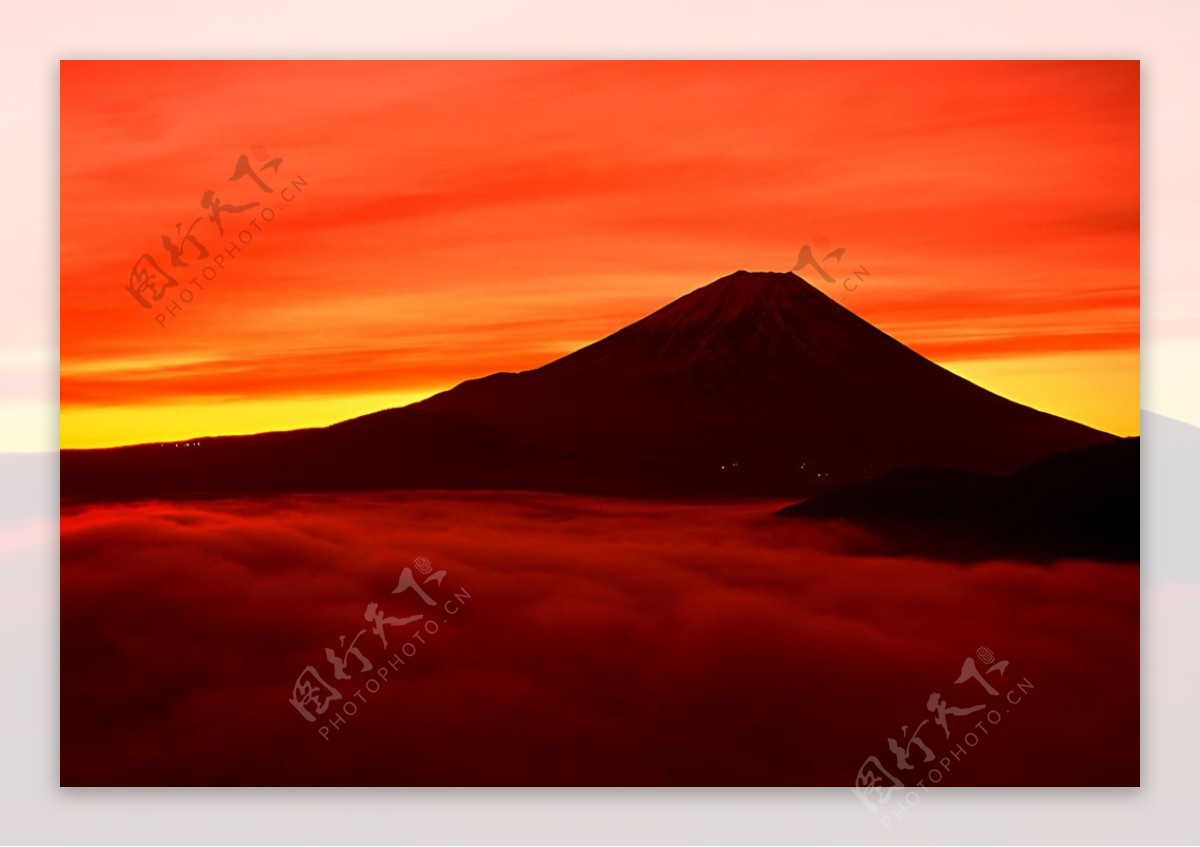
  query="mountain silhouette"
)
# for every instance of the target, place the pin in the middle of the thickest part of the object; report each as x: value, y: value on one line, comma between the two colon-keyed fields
x: 1078, y: 504
x: 756, y: 384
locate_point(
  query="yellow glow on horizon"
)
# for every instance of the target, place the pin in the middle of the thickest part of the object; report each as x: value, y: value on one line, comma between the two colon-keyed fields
x: 1098, y: 389
x: 114, y: 426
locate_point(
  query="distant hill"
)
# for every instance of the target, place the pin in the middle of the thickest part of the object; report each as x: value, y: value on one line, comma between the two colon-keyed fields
x: 1079, y: 504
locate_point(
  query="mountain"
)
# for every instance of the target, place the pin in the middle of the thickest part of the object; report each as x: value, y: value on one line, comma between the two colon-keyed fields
x: 756, y: 384
x: 1080, y: 504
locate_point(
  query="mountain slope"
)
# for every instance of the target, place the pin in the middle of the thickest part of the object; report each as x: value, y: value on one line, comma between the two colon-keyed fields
x: 756, y: 384
x: 1079, y: 504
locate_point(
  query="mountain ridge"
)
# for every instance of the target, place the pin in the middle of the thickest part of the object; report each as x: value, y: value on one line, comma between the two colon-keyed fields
x: 756, y: 384
x: 1081, y: 504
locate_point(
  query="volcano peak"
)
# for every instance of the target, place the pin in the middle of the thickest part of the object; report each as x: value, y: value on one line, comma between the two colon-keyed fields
x: 757, y: 371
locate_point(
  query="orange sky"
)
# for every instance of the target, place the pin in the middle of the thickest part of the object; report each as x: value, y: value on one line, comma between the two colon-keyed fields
x: 466, y: 218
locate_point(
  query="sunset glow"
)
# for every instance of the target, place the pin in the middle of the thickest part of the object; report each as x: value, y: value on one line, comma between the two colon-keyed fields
x: 451, y: 220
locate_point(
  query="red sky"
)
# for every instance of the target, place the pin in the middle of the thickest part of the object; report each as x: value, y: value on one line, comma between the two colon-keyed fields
x: 466, y: 218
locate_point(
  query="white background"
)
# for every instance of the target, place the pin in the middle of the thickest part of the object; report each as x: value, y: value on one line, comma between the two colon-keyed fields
x: 1163, y: 35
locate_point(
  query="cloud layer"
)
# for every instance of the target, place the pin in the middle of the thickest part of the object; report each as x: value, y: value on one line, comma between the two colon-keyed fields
x: 603, y: 643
